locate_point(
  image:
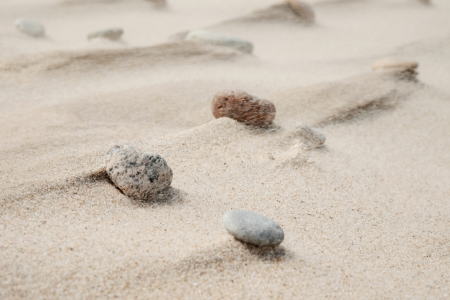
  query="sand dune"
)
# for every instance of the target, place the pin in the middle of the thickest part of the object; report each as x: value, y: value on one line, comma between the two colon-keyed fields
x: 365, y: 216
x: 319, y: 105
x: 211, y: 264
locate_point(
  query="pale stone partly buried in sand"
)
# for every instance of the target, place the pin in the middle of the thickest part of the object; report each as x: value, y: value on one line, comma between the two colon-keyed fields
x: 30, y: 27
x: 110, y: 34
x: 302, y: 10
x: 139, y: 175
x: 243, y: 107
x: 400, y: 68
x: 220, y: 39
x: 310, y: 137
x: 387, y: 64
x: 253, y: 228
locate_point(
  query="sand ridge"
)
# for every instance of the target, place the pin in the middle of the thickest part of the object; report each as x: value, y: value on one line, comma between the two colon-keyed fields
x: 82, y: 61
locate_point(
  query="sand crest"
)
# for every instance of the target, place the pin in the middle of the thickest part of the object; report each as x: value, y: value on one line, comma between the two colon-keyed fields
x: 82, y: 61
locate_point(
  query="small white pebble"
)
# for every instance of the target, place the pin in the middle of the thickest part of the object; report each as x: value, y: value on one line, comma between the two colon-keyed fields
x: 220, y: 39
x: 30, y: 27
x: 110, y: 34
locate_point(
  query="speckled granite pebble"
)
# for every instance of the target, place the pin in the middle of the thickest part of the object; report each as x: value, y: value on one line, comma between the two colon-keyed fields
x: 110, y: 34
x: 139, y: 175
x: 253, y: 228
x: 30, y: 27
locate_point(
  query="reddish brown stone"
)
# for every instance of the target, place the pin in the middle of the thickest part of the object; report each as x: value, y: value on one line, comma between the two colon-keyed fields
x: 243, y: 107
x: 301, y: 9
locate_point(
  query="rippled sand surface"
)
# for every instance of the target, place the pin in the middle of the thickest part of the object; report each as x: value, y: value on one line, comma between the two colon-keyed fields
x: 366, y: 216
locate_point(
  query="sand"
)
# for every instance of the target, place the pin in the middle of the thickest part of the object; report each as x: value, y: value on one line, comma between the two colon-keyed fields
x: 365, y: 216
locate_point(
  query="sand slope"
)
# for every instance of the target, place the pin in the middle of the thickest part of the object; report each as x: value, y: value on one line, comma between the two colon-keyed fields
x: 366, y: 216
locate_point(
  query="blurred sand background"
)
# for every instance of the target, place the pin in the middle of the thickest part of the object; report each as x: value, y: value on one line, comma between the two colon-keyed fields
x: 367, y: 216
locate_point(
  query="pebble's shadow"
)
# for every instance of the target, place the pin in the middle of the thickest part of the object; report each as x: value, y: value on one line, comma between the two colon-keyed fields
x: 268, y: 253
x: 170, y: 196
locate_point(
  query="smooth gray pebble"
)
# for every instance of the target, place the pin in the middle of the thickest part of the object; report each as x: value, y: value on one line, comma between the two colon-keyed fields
x: 253, y: 228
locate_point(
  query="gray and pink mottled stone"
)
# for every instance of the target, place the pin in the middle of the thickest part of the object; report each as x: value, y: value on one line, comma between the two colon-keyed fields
x: 311, y: 138
x: 139, y: 175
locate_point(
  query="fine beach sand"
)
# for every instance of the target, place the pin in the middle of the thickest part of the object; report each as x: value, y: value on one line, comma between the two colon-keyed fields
x: 367, y: 216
